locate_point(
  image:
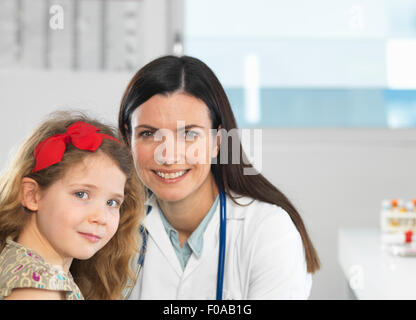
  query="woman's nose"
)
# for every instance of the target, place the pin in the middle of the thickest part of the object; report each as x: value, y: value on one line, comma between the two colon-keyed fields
x: 171, y: 150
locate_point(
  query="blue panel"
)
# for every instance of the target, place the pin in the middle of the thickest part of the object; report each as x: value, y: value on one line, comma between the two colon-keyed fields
x: 401, y: 108
x: 315, y: 107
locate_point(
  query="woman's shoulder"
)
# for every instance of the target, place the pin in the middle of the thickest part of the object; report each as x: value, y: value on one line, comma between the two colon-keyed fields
x: 261, y: 216
x: 21, y: 267
x: 249, y: 208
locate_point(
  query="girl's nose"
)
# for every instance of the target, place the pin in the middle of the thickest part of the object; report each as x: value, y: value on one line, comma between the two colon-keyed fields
x: 98, y: 215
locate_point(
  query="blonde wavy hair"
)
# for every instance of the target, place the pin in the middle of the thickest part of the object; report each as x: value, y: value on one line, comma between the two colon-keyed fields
x: 109, y: 271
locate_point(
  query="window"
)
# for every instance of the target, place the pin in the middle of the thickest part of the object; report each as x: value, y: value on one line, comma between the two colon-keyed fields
x: 303, y: 63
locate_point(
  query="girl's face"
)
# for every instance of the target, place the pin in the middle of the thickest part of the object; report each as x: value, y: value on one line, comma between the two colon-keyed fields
x: 172, y: 145
x: 79, y: 214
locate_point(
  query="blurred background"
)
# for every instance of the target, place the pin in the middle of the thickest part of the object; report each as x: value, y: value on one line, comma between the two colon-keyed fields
x: 331, y: 83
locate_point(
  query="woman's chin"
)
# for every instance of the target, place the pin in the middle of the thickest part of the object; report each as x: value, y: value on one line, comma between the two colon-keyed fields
x: 170, y: 195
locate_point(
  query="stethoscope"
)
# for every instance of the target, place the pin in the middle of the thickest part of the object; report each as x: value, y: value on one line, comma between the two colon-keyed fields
x: 221, y: 251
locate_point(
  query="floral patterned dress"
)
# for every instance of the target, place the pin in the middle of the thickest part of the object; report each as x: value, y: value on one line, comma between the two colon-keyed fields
x: 24, y: 268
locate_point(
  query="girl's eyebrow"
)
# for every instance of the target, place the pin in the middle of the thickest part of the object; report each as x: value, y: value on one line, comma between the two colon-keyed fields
x: 119, y: 196
x: 94, y: 187
x: 87, y: 185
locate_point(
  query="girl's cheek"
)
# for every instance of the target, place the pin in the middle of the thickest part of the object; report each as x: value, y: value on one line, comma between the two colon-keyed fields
x: 115, y: 225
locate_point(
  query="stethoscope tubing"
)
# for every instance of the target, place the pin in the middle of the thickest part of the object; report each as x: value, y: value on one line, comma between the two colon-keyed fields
x: 221, y: 251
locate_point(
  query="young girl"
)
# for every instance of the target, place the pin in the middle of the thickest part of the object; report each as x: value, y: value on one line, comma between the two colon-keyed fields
x: 70, y: 209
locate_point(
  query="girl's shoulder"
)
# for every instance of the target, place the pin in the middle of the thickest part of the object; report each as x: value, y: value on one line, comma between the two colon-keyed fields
x: 21, y: 267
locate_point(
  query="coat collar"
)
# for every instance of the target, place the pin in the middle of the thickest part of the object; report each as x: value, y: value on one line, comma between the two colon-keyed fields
x: 156, y: 229
x: 154, y: 226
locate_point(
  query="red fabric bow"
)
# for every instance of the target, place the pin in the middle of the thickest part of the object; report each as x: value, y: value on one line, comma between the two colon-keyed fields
x: 82, y: 135
x: 408, y: 235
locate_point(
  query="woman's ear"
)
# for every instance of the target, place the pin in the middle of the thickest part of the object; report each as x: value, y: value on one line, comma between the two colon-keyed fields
x: 126, y: 128
x: 30, y: 194
x: 218, y: 142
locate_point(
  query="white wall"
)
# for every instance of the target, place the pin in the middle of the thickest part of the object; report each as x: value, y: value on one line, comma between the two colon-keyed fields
x: 112, y: 35
x: 336, y: 178
x: 26, y: 97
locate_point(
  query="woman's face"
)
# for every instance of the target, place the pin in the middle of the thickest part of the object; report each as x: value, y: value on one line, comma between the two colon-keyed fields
x: 172, y: 145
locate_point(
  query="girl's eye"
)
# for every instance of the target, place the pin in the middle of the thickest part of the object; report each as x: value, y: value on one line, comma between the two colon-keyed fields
x: 81, y: 194
x: 113, y: 203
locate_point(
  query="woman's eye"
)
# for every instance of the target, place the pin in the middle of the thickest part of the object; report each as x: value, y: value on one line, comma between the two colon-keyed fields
x: 146, y: 134
x: 81, y: 194
x: 191, y: 134
x: 113, y: 203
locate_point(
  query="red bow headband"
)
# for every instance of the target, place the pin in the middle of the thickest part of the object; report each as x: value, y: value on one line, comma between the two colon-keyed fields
x: 82, y: 135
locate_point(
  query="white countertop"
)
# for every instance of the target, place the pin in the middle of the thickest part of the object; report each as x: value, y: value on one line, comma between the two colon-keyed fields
x: 371, y: 272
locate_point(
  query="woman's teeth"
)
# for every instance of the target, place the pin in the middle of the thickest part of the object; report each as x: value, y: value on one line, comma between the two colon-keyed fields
x: 171, y: 175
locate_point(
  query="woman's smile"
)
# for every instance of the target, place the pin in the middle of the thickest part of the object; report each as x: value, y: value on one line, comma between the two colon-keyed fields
x: 173, y: 173
x: 170, y: 176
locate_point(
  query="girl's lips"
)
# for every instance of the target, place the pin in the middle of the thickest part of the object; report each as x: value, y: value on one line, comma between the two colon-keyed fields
x: 90, y: 237
x: 171, y: 180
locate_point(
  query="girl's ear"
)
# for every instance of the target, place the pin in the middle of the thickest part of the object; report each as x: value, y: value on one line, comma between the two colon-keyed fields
x: 30, y: 194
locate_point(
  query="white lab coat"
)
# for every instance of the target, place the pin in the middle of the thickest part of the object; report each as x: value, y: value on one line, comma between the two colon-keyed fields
x: 264, y: 258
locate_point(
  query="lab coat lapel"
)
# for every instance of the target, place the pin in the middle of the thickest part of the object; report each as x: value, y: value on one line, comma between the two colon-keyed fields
x: 157, y: 232
x: 210, y: 244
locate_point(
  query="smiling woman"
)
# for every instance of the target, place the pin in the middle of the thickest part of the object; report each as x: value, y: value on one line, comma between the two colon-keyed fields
x: 173, y: 115
x: 158, y: 163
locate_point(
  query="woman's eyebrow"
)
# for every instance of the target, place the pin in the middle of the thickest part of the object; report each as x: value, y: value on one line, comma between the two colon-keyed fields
x: 193, y: 126
x: 155, y: 129
x: 145, y: 126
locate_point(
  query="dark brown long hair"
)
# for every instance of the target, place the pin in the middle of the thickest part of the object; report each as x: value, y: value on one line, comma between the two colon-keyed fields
x: 168, y: 74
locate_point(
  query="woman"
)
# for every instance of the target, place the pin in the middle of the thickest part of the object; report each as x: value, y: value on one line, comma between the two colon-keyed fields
x: 167, y: 116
